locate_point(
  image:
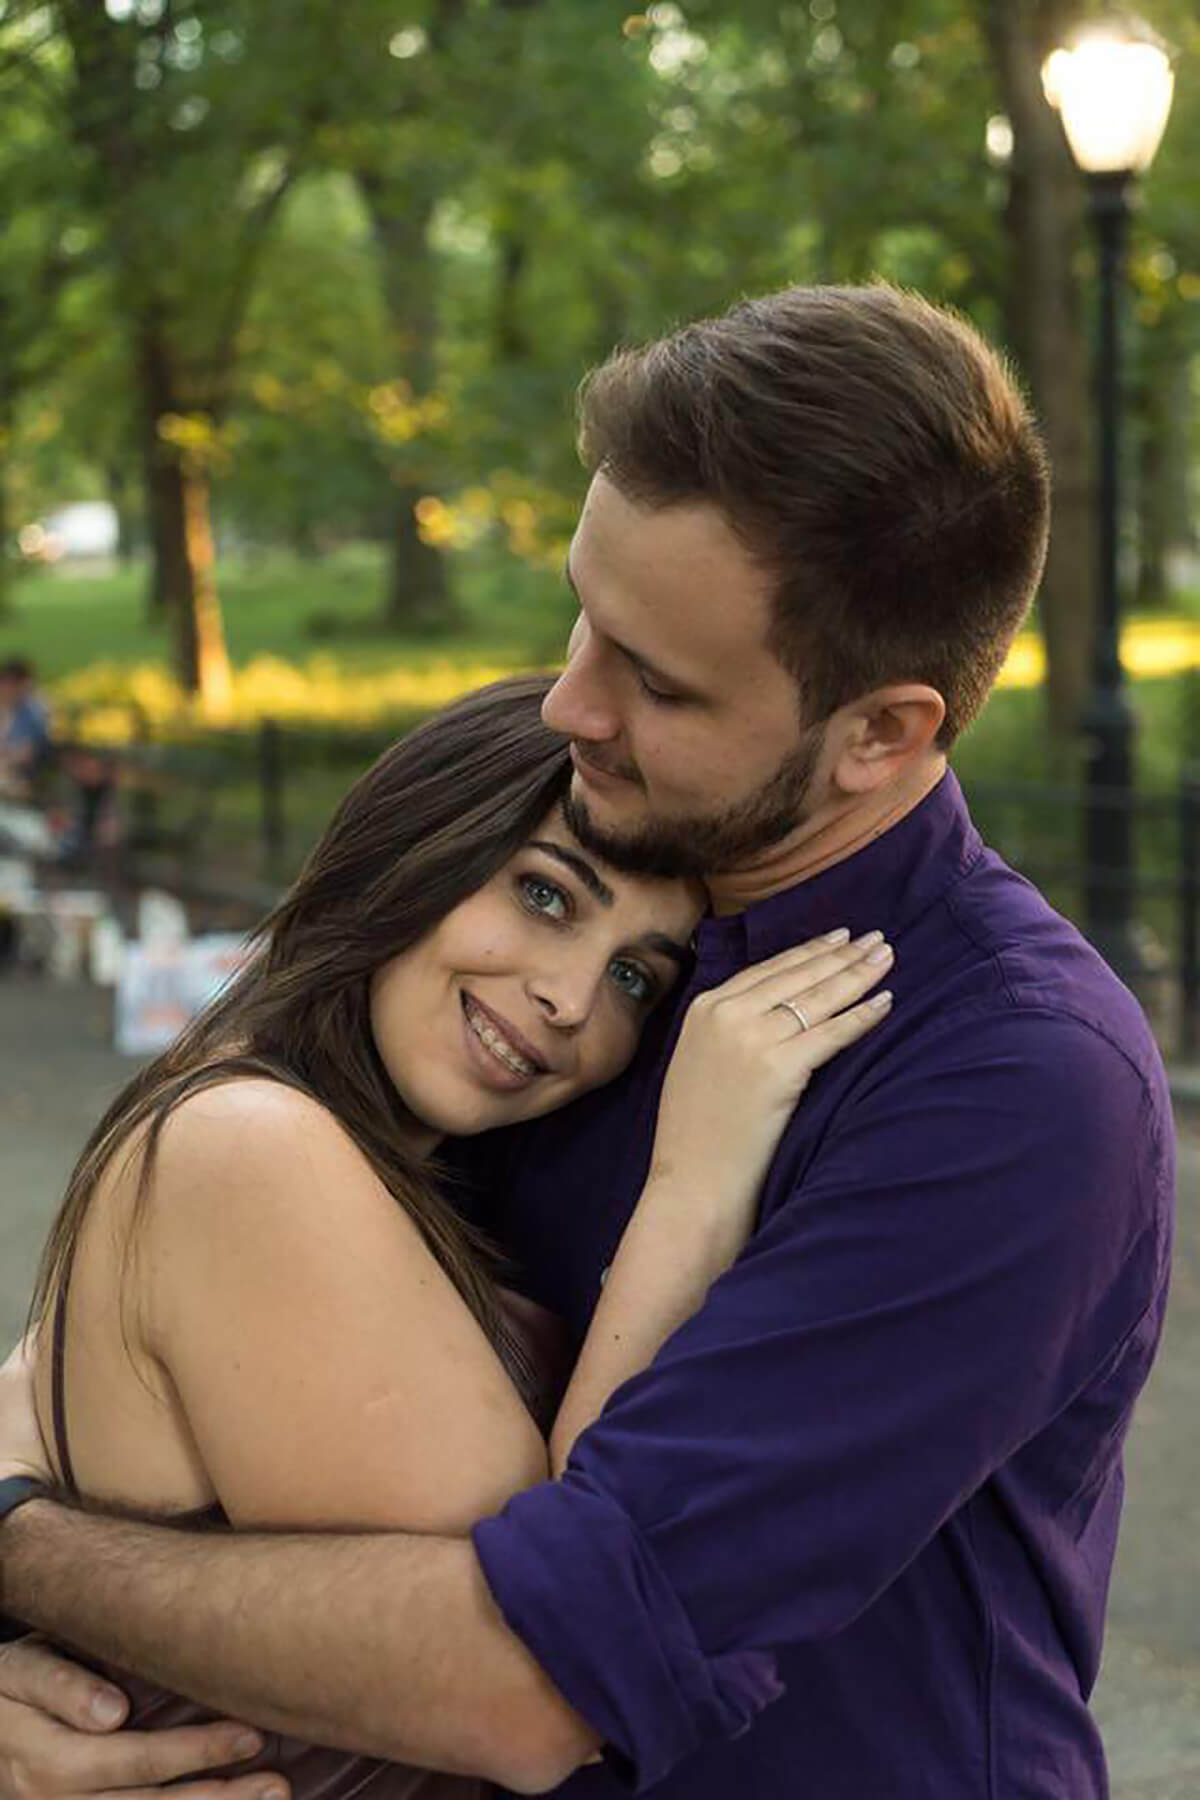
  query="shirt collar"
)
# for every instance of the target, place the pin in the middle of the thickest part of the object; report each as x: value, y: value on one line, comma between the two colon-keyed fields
x: 880, y: 888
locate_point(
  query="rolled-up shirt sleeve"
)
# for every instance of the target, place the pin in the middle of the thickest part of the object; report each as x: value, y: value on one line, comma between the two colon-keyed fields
x: 976, y: 1239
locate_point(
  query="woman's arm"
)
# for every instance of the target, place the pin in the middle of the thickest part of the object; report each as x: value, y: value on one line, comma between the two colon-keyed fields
x: 741, y: 1064
x: 327, y: 1369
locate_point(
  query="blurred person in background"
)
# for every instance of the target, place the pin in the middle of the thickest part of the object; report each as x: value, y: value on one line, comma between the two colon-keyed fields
x: 26, y: 736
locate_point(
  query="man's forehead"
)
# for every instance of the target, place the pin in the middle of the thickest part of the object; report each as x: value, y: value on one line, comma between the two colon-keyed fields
x: 677, y: 575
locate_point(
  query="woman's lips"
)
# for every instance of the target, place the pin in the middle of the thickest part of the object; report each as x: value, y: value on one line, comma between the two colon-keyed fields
x: 498, y: 1050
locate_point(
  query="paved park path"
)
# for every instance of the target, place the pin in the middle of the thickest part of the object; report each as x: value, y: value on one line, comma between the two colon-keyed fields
x: 57, y: 1071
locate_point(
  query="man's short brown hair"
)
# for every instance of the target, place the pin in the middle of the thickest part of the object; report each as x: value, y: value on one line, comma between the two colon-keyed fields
x: 878, y: 458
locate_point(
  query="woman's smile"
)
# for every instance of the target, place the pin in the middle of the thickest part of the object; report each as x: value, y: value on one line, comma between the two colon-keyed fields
x: 498, y: 1050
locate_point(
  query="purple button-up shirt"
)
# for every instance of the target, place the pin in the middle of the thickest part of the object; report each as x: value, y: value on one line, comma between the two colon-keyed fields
x: 850, y: 1535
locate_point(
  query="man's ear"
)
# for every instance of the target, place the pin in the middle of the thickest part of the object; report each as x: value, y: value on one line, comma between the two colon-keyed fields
x: 885, y: 733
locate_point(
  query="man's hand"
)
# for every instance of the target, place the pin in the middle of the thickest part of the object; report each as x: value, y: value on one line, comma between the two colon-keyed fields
x: 22, y: 1451
x: 58, y: 1739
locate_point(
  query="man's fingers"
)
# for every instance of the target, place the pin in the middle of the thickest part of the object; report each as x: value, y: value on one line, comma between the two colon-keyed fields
x: 243, y: 1787
x: 147, y: 1759
x: 40, y: 1678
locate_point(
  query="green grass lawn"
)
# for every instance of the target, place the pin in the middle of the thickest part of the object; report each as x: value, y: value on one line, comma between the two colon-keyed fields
x: 277, y: 605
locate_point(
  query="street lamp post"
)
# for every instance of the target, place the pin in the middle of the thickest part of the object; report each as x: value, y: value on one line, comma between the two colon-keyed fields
x: 1113, y: 89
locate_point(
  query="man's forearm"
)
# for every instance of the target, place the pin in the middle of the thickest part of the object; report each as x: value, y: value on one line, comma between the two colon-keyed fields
x: 388, y: 1644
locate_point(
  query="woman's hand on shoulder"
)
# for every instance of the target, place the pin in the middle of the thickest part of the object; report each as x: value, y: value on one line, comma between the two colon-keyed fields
x: 326, y: 1367
x: 748, y: 1050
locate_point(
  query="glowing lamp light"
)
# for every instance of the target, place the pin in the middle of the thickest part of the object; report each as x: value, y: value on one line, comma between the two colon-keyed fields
x: 1113, y: 89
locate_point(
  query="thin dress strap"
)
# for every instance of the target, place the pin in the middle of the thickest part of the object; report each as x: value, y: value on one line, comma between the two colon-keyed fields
x: 58, y: 1377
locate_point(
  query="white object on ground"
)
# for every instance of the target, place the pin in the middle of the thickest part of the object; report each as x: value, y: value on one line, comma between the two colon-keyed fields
x: 106, y: 952
x: 161, y: 920
x: 162, y: 987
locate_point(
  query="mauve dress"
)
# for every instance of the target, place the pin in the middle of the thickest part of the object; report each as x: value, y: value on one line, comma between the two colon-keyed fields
x: 314, y: 1771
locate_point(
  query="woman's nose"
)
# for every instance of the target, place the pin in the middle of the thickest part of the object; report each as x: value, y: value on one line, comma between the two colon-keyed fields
x: 566, y: 995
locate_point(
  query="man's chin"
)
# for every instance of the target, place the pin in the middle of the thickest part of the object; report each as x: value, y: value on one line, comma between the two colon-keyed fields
x: 629, y: 839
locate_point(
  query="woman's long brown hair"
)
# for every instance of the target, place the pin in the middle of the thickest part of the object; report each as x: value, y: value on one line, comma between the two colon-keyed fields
x: 435, y: 818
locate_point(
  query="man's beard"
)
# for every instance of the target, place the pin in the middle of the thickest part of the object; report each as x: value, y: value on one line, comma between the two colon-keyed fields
x: 707, y: 843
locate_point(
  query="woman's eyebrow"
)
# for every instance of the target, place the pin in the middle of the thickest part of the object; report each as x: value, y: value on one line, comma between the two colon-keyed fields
x: 579, y: 866
x: 666, y: 946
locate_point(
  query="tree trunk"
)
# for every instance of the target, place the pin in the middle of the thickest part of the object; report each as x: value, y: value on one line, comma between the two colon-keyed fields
x: 120, y: 498
x: 179, y: 518
x: 8, y: 410
x: 419, y: 597
x: 512, y: 333
x: 1044, y: 306
x: 5, y: 553
x: 157, y: 507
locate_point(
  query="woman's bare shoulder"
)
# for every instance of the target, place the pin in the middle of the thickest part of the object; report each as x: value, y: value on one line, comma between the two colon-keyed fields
x: 250, y: 1117
x: 249, y: 1154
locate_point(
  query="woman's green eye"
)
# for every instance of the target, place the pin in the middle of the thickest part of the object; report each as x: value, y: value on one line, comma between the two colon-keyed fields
x: 632, y: 980
x: 544, y: 897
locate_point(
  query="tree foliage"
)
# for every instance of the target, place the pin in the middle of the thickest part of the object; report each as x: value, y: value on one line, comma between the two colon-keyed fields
x: 344, y: 265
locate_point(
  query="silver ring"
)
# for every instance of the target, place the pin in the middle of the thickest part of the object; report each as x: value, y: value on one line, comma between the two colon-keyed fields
x: 796, y: 1012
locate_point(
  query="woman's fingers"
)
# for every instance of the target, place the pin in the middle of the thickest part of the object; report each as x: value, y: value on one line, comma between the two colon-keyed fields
x: 795, y: 957
x: 820, y: 987
x: 807, y: 976
x: 834, y: 991
x: 813, y: 1048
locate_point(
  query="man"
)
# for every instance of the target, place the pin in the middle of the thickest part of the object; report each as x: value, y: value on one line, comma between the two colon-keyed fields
x: 850, y: 1534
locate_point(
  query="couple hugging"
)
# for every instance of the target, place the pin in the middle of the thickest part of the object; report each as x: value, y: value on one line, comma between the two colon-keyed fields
x: 643, y: 1281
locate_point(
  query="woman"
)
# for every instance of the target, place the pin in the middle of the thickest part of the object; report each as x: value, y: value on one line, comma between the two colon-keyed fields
x: 256, y: 1302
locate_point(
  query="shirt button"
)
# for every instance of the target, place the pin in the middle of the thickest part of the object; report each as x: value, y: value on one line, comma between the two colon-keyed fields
x: 605, y: 1272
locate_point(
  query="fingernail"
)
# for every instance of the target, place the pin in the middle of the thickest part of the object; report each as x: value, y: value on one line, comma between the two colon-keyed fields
x: 106, y: 1709
x: 247, y: 1743
x: 881, y: 955
x: 868, y: 938
x: 840, y: 936
x: 882, y: 1001
x: 274, y: 1790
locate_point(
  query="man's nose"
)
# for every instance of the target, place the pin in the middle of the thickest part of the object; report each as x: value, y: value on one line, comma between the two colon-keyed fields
x: 580, y: 703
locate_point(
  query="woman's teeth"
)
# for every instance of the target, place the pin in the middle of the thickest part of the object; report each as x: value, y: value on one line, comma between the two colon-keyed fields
x: 499, y: 1046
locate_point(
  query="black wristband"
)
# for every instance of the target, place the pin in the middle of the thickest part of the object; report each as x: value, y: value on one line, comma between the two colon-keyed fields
x: 15, y: 1490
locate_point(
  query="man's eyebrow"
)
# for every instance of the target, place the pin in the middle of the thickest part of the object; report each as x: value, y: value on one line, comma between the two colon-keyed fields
x: 578, y: 865
x: 634, y: 656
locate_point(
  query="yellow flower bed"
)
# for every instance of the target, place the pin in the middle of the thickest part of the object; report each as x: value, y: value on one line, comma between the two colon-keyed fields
x: 1149, y: 647
x: 104, y: 699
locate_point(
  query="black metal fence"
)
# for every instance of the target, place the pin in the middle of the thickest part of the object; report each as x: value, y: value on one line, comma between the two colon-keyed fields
x: 1040, y: 830
x: 238, y: 811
